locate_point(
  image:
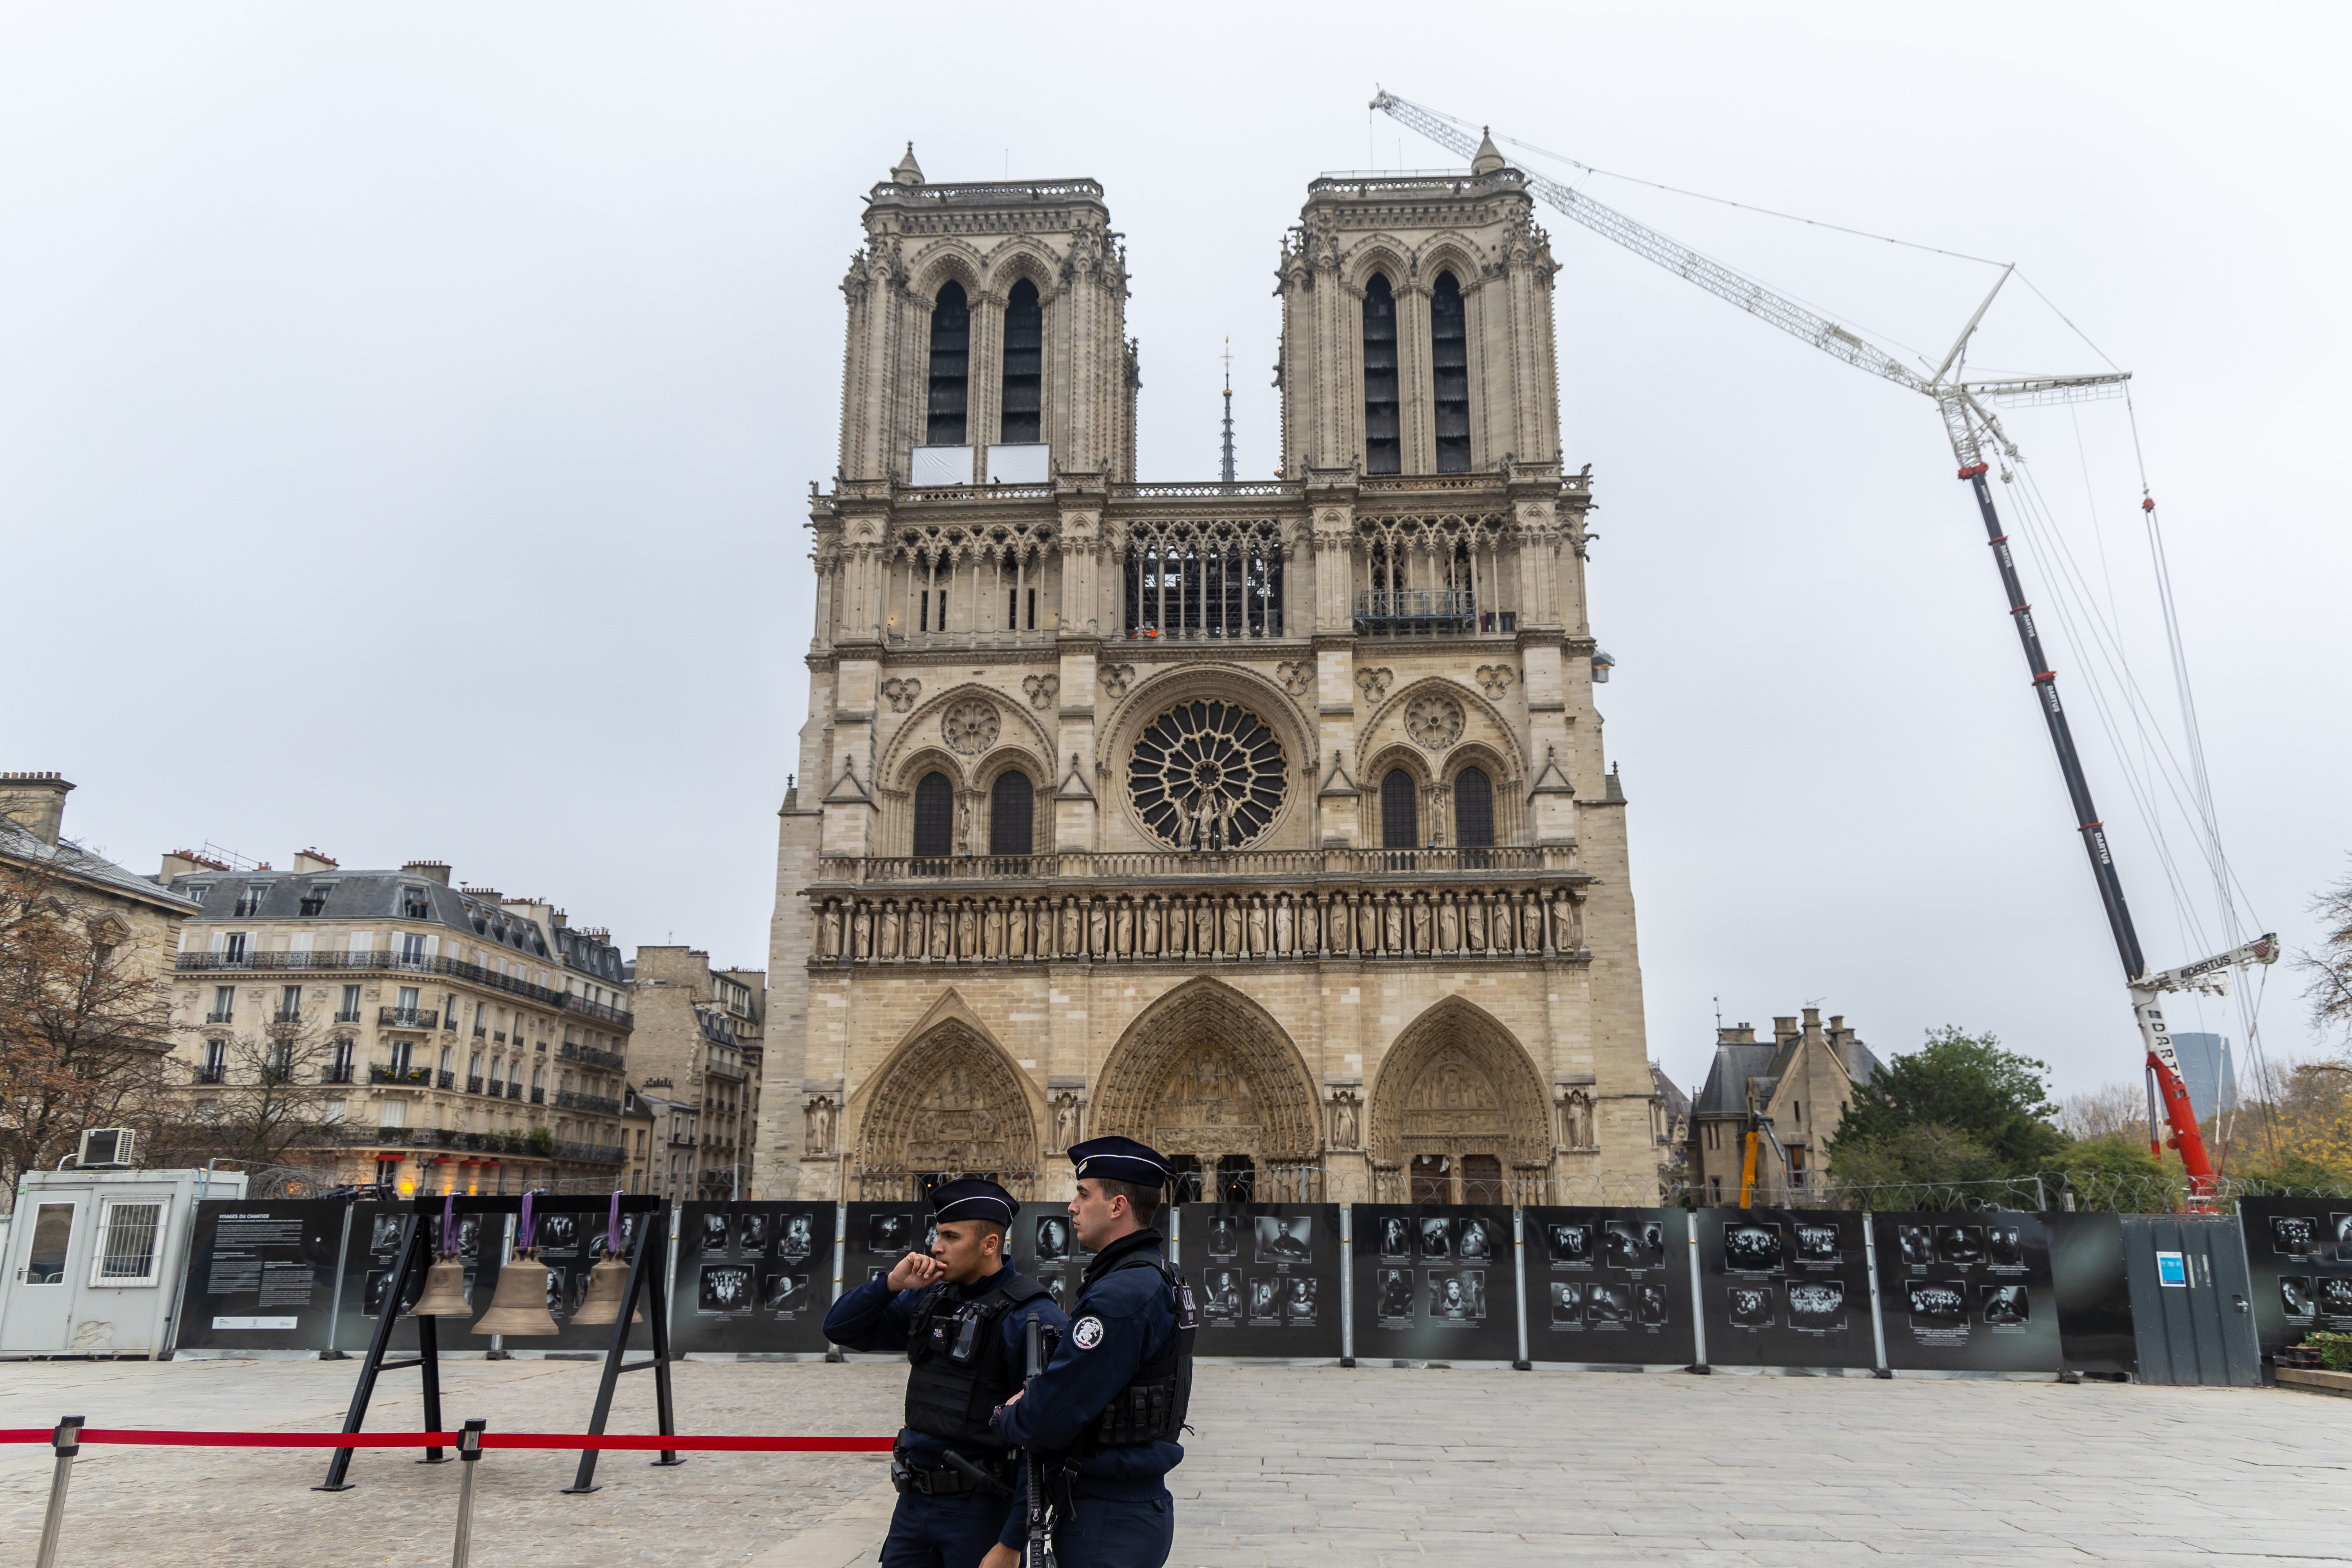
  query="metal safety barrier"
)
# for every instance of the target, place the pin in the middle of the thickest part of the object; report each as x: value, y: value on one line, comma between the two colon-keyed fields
x: 69, y: 1435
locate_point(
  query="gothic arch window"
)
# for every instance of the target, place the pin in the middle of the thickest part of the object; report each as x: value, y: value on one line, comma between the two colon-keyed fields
x: 1400, y: 815
x: 1012, y: 813
x: 1473, y: 809
x: 1025, y: 350
x: 1381, y: 451
x: 934, y: 817
x: 951, y: 365
x: 1449, y: 360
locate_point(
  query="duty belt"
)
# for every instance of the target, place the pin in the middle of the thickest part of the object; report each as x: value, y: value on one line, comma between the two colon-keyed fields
x: 945, y: 1481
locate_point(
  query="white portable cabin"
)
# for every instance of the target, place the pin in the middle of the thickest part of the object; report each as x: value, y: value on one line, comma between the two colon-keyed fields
x: 94, y: 1259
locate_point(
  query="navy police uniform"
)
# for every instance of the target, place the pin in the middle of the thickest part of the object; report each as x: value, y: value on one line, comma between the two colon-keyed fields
x: 1108, y: 1408
x: 967, y: 1345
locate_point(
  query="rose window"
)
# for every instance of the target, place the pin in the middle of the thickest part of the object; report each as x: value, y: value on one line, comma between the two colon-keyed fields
x: 1207, y: 775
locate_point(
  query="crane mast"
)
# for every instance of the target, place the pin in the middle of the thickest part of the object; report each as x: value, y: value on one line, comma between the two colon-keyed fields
x: 1970, y: 427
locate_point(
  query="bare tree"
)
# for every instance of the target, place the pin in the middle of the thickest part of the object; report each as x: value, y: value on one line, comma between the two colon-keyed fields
x: 271, y: 1108
x: 84, y: 1021
x: 2119, y: 1107
x: 2330, y: 966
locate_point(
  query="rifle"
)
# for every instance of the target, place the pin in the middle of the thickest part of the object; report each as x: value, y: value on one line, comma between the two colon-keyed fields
x: 1040, y: 1545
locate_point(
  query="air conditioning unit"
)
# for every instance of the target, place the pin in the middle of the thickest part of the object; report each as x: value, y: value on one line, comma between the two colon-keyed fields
x: 105, y: 1147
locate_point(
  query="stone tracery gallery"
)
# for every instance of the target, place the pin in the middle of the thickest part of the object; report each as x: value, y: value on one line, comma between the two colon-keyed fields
x: 1266, y: 821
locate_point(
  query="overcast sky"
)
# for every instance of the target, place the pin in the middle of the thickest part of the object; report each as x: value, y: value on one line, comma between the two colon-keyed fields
x: 406, y: 417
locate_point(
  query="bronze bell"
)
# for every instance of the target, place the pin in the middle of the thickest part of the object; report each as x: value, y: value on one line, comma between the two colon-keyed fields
x: 519, y: 1307
x: 445, y: 1290
x: 607, y: 1283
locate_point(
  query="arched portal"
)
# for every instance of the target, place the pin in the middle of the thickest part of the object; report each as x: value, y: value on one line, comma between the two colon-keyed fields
x: 948, y: 1103
x: 1206, y: 1076
x: 1459, y: 1113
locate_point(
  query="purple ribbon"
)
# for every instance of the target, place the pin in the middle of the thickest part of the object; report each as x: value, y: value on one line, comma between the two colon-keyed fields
x: 525, y: 1227
x: 613, y: 1227
x: 449, y: 1223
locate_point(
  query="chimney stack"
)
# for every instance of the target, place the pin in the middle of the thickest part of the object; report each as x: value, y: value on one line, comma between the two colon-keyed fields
x: 37, y: 802
x: 429, y: 870
x: 311, y: 860
x: 1784, y: 1029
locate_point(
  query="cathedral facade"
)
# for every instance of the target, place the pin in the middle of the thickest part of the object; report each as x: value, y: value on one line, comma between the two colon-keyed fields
x: 1267, y: 822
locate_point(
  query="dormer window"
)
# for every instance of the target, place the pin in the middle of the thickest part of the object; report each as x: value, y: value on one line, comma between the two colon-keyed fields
x: 249, y: 902
x: 414, y: 905
x: 314, y: 902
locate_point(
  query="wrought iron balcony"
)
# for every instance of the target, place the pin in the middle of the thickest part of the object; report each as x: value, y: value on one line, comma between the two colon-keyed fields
x: 219, y: 1016
x: 376, y: 958
x: 287, y: 1015
x: 473, y: 1083
x: 445, y: 1080
x: 514, y: 1089
x: 1429, y: 612
x: 592, y: 1056
x: 379, y: 1073
x: 348, y: 1015
x: 598, y: 1154
x: 601, y: 1105
x: 212, y: 1075
x: 335, y: 1072
x: 408, y: 1018
x: 539, y: 1096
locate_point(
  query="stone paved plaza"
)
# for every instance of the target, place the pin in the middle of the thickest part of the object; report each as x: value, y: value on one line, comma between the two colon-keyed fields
x: 1377, y: 1465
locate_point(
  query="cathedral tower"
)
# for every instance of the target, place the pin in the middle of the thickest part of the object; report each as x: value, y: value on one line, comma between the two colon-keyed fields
x: 1267, y: 822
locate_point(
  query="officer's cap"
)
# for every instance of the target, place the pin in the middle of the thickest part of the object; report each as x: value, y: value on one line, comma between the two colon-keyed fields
x: 1120, y: 1160
x: 973, y: 1199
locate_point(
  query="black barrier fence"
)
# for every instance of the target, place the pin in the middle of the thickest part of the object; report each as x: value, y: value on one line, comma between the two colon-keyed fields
x: 1786, y: 1288
x: 754, y: 1278
x: 1609, y: 1287
x: 1984, y: 1291
x: 1267, y: 1279
x: 1436, y: 1283
x: 1968, y: 1292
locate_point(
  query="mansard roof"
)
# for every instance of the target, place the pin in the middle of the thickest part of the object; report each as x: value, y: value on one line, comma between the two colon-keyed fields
x: 67, y: 858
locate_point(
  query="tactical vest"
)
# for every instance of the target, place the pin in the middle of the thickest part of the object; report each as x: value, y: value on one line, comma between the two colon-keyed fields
x: 1151, y: 1408
x: 961, y: 1372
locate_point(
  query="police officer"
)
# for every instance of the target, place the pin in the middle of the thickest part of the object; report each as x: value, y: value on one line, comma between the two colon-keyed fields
x: 1108, y: 1406
x: 960, y: 1314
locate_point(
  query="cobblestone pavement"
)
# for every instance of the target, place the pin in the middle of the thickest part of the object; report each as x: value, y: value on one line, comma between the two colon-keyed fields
x: 1291, y: 1465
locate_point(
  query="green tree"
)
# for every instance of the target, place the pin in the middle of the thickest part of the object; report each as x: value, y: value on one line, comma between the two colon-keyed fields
x: 1983, y: 1100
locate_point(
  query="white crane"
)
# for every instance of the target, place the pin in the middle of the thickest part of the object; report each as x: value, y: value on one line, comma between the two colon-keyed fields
x: 1970, y: 425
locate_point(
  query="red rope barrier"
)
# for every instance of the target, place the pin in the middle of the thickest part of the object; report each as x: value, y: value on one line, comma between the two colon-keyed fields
x: 645, y: 1440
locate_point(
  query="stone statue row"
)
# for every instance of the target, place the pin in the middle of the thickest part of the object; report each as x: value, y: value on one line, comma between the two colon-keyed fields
x: 1126, y: 927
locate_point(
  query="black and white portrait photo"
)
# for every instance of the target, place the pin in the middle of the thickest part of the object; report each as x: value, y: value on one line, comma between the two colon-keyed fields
x: 1284, y: 1240
x: 717, y: 1234
x: 379, y: 1280
x: 1225, y: 1237
x: 1393, y: 1297
x: 1961, y: 1245
x: 1396, y: 1236
x: 1816, y: 1304
x: 559, y: 1236
x: 469, y: 1232
x: 2342, y: 1226
x: 2295, y: 1294
x: 1650, y: 1306
x: 2291, y: 1235
x: 557, y: 1279
x: 1608, y: 1303
x: 798, y: 1240
x: 752, y: 1234
x: 1436, y: 1238
x: 1266, y: 1301
x: 2004, y: 1246
x: 785, y: 1293
x: 1816, y: 1243
x: 1570, y: 1243
x: 1052, y: 1240
x: 724, y: 1287
x: 2335, y: 1296
x: 1936, y: 1304
x: 1057, y: 1287
x: 889, y: 1233
x: 384, y: 1237
x: 2005, y: 1306
x: 1919, y: 1243
x: 1457, y: 1296
x: 1636, y: 1243
x: 1298, y: 1302
x: 1567, y: 1301
x: 1221, y: 1297
x: 1750, y: 1306
x: 1478, y: 1242
x: 1752, y: 1248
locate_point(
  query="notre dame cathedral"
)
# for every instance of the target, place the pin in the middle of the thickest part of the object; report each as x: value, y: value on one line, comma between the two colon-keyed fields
x: 1268, y: 823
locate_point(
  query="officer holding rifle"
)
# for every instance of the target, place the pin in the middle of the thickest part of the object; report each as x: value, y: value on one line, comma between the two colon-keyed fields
x: 1109, y: 1405
x: 960, y: 1314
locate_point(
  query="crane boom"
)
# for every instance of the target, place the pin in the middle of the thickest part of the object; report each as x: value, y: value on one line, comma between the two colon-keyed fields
x: 1970, y: 425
